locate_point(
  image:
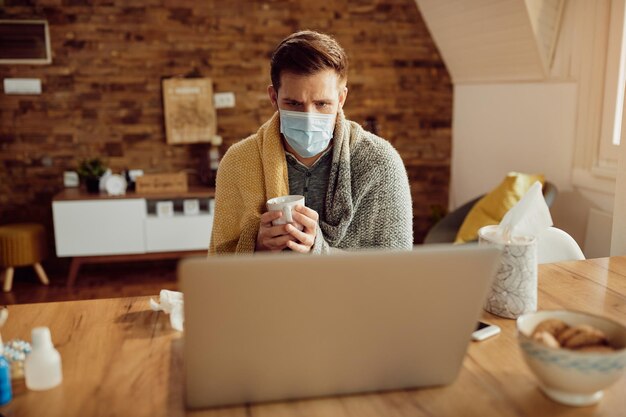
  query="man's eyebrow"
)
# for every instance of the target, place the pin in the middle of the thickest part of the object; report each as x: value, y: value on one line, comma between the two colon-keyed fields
x: 317, y: 100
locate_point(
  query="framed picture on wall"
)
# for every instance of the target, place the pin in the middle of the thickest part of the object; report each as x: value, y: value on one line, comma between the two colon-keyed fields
x: 191, y: 206
x: 24, y: 42
x: 165, y: 208
x: 188, y: 109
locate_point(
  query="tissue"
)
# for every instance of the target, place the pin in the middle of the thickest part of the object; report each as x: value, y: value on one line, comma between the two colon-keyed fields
x: 171, y: 302
x: 528, y: 218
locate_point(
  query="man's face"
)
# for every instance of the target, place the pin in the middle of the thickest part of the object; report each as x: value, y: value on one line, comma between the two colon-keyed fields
x: 321, y: 92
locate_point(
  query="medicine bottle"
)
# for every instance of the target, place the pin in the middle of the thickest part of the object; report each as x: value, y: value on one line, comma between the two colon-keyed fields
x: 42, y: 367
x: 6, y: 393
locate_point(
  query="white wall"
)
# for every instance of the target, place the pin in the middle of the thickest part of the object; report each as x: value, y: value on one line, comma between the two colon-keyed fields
x: 498, y: 128
x: 526, y: 127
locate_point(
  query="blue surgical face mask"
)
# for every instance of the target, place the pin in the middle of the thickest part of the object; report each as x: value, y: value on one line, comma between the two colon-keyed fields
x: 307, y: 133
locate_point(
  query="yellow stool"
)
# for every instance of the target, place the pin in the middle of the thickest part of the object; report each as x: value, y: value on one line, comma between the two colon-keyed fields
x: 22, y: 244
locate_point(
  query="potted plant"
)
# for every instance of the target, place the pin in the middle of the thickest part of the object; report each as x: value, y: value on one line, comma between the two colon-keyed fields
x: 91, y: 170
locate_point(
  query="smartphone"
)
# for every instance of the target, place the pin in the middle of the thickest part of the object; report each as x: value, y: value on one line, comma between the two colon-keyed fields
x: 484, y: 331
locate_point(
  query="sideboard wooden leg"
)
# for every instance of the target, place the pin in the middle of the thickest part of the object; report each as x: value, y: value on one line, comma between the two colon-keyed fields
x: 74, y: 268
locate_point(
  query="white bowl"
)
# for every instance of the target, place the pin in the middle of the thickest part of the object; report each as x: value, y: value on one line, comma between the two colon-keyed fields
x: 568, y: 376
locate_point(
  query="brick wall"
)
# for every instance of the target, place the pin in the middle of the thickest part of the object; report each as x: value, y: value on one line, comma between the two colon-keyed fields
x: 102, y: 93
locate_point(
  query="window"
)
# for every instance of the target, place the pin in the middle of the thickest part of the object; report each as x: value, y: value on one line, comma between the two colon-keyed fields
x: 613, y: 105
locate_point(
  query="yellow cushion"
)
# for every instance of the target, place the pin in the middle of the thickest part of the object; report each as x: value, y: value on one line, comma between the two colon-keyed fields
x: 492, y: 207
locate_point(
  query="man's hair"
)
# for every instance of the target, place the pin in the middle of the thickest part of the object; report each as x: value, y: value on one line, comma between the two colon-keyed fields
x: 306, y: 53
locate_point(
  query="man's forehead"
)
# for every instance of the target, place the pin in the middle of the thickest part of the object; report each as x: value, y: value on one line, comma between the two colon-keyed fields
x: 329, y: 77
x: 323, y: 80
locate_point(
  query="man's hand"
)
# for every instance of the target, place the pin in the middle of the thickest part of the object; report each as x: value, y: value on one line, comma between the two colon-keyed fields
x: 303, y: 239
x: 272, y: 238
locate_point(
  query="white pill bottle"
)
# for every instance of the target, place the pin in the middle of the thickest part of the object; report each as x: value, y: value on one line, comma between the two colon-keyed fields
x: 42, y: 368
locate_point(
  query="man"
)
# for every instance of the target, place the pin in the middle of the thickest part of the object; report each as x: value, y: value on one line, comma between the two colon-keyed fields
x: 355, y: 185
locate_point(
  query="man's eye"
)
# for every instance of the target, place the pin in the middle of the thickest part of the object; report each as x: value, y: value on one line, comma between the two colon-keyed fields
x: 322, y: 105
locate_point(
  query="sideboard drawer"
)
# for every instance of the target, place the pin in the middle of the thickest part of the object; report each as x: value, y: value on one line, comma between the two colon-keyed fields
x: 179, y: 232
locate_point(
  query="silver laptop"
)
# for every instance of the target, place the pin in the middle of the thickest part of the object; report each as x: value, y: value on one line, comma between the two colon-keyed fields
x: 277, y: 327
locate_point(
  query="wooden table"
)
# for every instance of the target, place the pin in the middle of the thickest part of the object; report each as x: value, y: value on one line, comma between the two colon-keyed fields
x: 122, y: 359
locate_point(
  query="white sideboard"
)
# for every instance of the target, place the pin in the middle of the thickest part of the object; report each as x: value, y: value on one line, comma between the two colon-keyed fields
x: 87, y: 225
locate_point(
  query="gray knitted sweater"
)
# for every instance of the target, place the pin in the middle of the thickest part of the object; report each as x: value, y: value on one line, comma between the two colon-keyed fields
x: 368, y: 200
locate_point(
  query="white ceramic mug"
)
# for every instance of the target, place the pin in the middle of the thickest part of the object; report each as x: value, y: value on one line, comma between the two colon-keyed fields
x: 285, y: 204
